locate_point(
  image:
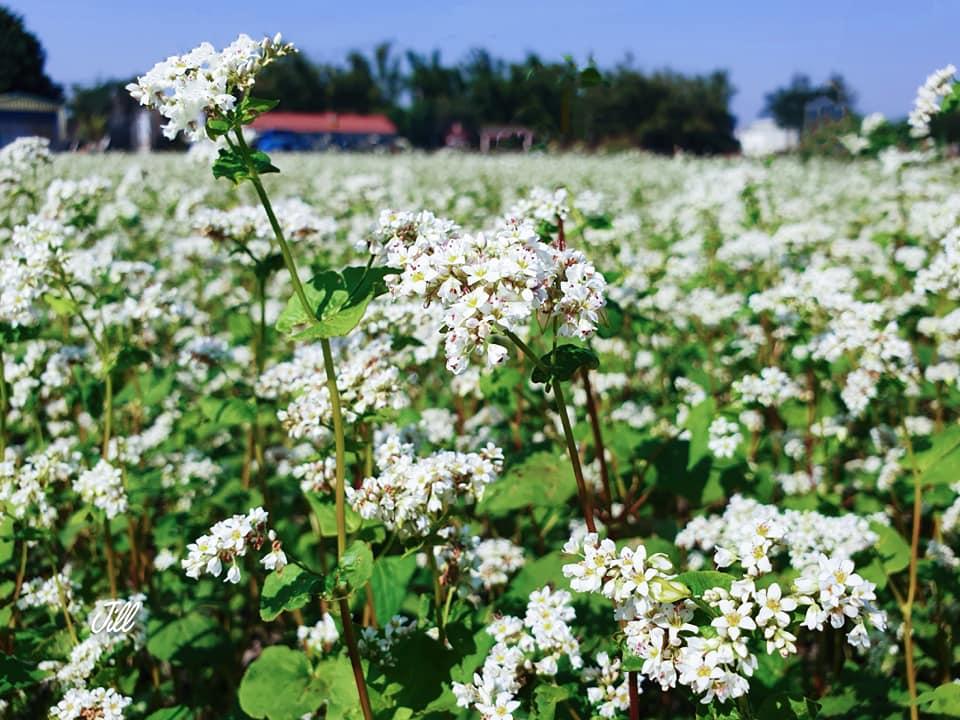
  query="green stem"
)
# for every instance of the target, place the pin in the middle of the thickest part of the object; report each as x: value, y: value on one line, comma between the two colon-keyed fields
x: 598, y: 446
x: 437, y: 596
x: 586, y: 504
x: 111, y: 557
x: 3, y: 407
x: 330, y: 371
x: 907, y: 607
x: 446, y: 606
x: 340, y: 490
x: 18, y: 585
x: 107, y: 413
x: 62, y: 597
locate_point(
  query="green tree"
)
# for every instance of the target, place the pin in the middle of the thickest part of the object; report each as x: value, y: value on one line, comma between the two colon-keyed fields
x: 90, y: 108
x: 786, y: 104
x: 22, y: 60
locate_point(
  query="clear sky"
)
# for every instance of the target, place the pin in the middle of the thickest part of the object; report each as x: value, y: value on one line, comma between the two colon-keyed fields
x: 885, y: 48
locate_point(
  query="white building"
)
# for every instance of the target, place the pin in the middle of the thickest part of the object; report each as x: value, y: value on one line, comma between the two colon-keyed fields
x: 765, y: 137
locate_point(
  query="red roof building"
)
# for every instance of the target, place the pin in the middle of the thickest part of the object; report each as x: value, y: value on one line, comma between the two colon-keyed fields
x: 320, y: 131
x: 326, y: 122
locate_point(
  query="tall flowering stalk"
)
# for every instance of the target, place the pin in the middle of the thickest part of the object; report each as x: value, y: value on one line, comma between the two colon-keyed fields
x: 217, y: 85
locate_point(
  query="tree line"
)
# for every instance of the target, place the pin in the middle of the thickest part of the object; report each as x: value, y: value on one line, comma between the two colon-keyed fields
x: 563, y: 103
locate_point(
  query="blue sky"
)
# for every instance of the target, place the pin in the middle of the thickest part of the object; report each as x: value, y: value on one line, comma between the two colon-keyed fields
x: 885, y: 48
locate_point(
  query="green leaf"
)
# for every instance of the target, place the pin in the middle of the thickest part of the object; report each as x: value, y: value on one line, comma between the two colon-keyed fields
x: 944, y: 451
x: 788, y: 707
x: 698, y: 422
x: 191, y: 640
x: 337, y: 303
x: 252, y: 107
x: 279, y: 685
x: 943, y: 700
x: 391, y: 577
x: 177, y: 712
x: 326, y: 512
x: 356, y: 566
x: 542, y: 480
x: 288, y: 590
x: 6, y: 539
x: 261, y: 161
x: 61, y: 305
x: 700, y: 581
x: 536, y: 574
x: 546, y: 698
x: 15, y: 673
x: 217, y: 127
x: 232, y: 411
x: 230, y: 165
x: 893, y: 550
x: 563, y: 362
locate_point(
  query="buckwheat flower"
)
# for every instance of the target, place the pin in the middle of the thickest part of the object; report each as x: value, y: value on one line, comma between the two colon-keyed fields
x: 22, y: 158
x: 182, y: 88
x: 538, y: 642
x: 367, y: 378
x: 377, y: 644
x: 724, y: 438
x: 410, y: 494
x: 164, y: 560
x: 321, y: 637
x: 734, y: 618
x: 501, y: 709
x: 46, y: 592
x: 938, y: 85
x: 276, y: 559
x: 103, y: 488
x: 231, y: 539
x: 773, y: 606
x: 609, y: 693
x: 83, y: 703
x: 488, y: 283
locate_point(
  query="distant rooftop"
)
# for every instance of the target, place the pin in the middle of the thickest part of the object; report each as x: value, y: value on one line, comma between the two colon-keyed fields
x: 22, y: 102
x: 326, y: 122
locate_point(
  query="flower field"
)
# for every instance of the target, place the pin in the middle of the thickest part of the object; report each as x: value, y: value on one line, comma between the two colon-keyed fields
x: 456, y: 436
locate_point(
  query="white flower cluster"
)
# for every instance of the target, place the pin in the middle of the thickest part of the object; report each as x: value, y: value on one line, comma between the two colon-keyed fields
x: 411, y: 493
x: 772, y: 387
x: 22, y: 158
x: 25, y: 269
x: 182, y: 88
x: 24, y: 489
x: 366, y: 378
x: 747, y: 524
x: 248, y: 226
x: 102, y: 487
x: 860, y: 329
x: 477, y: 564
x: 321, y: 637
x: 524, y: 648
x: 377, y: 645
x: 45, y: 593
x: 938, y: 85
x: 543, y: 204
x: 83, y: 704
x: 609, y: 693
x: 488, y: 281
x: 230, y: 539
x: 85, y: 656
x: 658, y: 616
x: 832, y: 591
x: 724, y: 437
